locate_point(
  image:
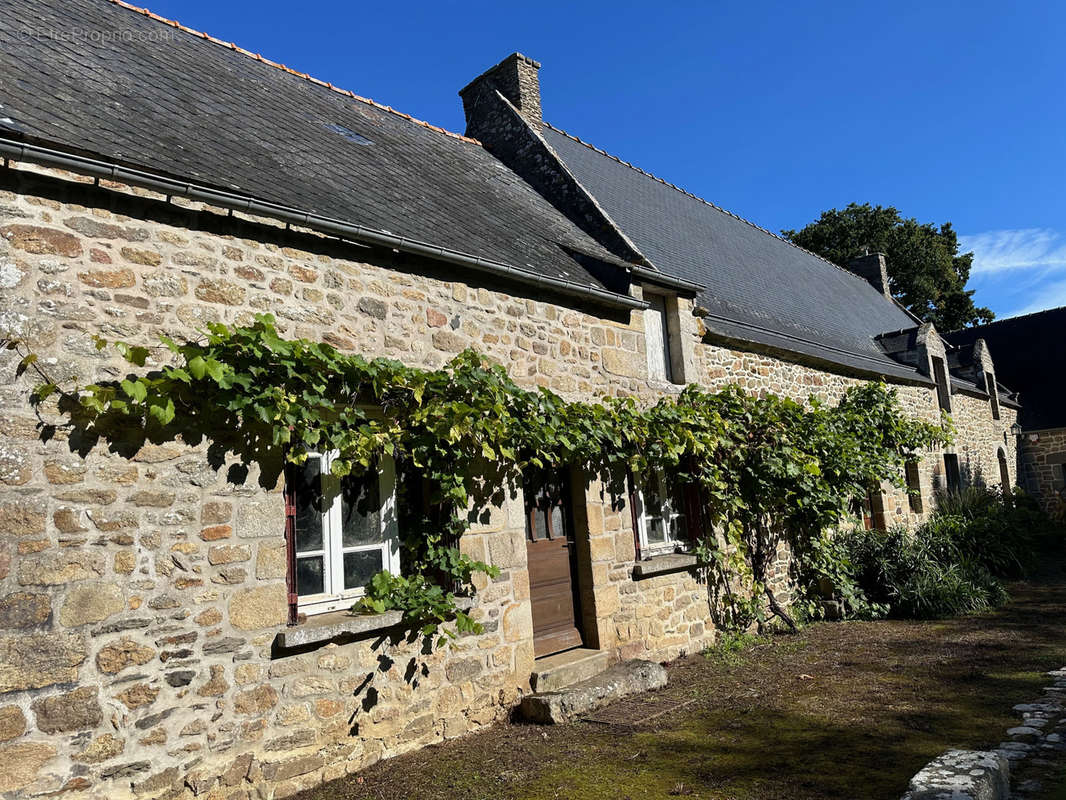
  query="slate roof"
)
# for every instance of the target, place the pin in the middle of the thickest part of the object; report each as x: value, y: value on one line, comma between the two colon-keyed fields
x: 759, y: 287
x: 1030, y: 358
x: 107, y: 80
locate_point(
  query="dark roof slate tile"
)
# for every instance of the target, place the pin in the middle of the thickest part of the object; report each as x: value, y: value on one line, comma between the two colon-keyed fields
x: 760, y: 288
x: 109, y: 81
x: 1030, y: 358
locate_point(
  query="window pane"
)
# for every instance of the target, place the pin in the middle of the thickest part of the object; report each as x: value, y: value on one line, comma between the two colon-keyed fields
x: 540, y: 527
x: 653, y: 501
x: 558, y: 531
x: 360, y: 510
x: 656, y: 531
x: 360, y: 567
x: 309, y: 576
x: 307, y: 494
x: 679, y: 531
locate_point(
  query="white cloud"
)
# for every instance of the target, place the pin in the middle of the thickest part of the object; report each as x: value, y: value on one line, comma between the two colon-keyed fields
x: 1026, y: 248
x: 1051, y: 295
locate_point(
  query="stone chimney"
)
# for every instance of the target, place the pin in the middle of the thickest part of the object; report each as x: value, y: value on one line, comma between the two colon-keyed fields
x: 516, y: 79
x: 872, y: 267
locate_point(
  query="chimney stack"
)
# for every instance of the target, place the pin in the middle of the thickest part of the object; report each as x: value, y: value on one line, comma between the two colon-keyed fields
x: 872, y: 267
x: 516, y: 79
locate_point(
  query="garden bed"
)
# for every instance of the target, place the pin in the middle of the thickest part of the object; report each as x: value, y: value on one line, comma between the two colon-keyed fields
x: 840, y: 710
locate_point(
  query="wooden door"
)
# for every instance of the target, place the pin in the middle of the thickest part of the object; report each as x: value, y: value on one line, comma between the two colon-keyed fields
x: 552, y: 563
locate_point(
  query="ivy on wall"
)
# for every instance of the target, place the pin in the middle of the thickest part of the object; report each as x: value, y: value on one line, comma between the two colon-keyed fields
x: 767, y: 468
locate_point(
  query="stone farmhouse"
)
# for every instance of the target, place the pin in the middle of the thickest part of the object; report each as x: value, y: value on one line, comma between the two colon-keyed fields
x: 1033, y: 343
x: 160, y: 633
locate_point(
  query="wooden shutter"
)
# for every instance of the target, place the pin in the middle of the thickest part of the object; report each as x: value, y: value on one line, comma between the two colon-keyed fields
x: 693, y: 512
x: 633, y: 513
x: 658, y: 346
x: 290, y: 548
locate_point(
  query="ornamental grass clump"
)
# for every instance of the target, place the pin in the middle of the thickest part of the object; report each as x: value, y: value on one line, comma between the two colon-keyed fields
x: 954, y: 563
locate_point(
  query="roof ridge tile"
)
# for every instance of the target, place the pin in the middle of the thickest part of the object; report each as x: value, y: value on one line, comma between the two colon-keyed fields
x: 258, y: 57
x: 697, y: 197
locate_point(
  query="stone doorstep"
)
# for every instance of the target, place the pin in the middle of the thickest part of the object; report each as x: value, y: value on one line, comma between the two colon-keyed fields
x: 558, y: 671
x: 621, y: 680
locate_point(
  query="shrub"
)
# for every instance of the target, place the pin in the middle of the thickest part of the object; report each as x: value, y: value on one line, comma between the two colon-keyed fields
x: 920, y: 575
x: 1005, y: 534
x: 952, y: 564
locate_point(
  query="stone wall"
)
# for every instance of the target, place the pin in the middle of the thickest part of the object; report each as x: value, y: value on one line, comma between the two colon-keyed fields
x: 979, y: 437
x: 1041, y: 461
x: 142, y: 598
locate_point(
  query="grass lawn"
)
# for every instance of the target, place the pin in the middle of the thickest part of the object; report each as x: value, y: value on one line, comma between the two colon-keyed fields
x: 840, y: 710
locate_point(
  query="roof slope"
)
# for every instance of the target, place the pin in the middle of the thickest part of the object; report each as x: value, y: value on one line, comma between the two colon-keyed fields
x: 1030, y: 358
x: 164, y: 98
x: 760, y: 288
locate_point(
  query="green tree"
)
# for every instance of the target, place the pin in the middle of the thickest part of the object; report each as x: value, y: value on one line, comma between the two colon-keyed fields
x: 926, y: 272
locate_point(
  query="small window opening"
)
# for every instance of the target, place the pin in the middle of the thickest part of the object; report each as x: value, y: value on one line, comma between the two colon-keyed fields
x: 1004, y: 472
x: 943, y: 389
x: 993, y: 394
x: 662, y: 338
x: 914, y: 487
x: 952, y: 473
x: 662, y: 525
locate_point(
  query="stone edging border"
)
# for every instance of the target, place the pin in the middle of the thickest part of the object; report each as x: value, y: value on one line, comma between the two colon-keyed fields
x: 985, y: 775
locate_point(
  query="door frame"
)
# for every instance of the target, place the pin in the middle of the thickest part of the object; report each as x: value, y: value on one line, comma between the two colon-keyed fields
x: 564, y: 499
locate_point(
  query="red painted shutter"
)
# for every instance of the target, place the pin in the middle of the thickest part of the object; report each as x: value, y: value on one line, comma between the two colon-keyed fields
x: 693, y: 512
x: 633, y: 513
x: 290, y: 549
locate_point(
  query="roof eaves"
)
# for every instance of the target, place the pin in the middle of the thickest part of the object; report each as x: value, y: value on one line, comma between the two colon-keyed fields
x: 1006, y: 321
x: 95, y: 167
x: 658, y: 278
x: 877, y: 366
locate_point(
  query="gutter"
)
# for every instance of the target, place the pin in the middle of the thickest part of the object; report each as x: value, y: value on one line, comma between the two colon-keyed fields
x: 333, y: 227
x: 917, y: 377
x: 667, y: 281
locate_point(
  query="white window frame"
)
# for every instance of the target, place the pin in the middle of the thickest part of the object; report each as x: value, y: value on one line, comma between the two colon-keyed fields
x: 669, y: 518
x: 336, y: 599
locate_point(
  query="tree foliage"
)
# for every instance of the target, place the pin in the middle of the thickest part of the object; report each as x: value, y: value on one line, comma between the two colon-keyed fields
x: 766, y: 468
x: 926, y: 271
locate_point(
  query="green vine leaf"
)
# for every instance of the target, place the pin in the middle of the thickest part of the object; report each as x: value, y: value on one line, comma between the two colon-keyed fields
x: 765, y: 469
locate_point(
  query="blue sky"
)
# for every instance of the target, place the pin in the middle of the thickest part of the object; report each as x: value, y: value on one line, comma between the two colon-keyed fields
x: 776, y: 111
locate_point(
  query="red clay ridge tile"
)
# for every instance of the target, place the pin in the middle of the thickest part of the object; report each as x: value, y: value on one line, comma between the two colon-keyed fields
x: 304, y: 75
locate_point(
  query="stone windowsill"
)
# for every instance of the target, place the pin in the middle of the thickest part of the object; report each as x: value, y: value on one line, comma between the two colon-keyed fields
x: 660, y: 565
x: 338, y: 624
x: 667, y: 387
